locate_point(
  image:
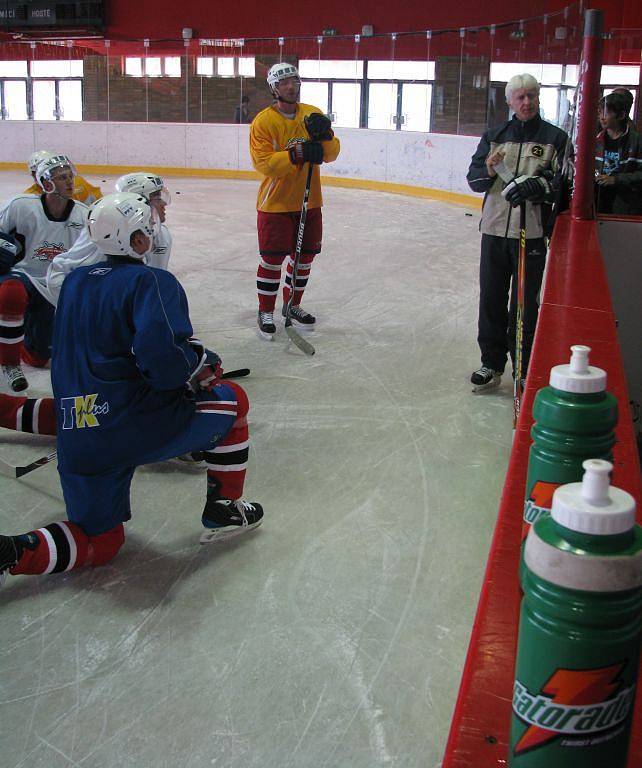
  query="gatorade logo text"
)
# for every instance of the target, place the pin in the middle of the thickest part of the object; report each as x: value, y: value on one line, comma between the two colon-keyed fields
x: 572, y: 703
x: 540, y: 501
x: 81, y: 411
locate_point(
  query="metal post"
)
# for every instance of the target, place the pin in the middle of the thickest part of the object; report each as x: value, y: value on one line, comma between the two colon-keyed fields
x: 587, y: 102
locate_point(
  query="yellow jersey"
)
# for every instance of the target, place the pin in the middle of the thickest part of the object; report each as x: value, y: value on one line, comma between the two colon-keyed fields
x: 84, y: 192
x: 271, y: 134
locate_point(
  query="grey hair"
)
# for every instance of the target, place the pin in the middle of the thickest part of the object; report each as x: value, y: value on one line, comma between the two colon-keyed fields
x: 521, y: 81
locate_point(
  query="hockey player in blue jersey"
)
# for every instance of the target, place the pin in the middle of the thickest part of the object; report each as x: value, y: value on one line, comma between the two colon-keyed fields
x: 131, y: 387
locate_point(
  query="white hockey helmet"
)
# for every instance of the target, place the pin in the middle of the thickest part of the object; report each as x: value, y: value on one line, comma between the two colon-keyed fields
x: 113, y: 219
x: 35, y: 158
x: 143, y: 183
x: 48, y: 165
x: 278, y: 72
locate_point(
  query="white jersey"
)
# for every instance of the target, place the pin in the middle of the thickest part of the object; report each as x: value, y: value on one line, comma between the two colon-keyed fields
x: 41, y: 237
x: 85, y: 253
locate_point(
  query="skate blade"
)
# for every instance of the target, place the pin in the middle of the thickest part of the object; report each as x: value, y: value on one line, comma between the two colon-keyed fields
x: 213, y: 535
x: 492, y: 385
x: 265, y: 336
x: 302, y: 326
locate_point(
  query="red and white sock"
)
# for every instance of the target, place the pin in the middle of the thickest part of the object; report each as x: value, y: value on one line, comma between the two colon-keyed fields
x: 13, y: 304
x: 63, y: 546
x: 227, y: 463
x: 28, y: 414
x: 268, y: 278
x: 302, y: 275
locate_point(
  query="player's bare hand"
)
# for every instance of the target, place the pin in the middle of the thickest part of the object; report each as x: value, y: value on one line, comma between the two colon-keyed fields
x: 493, y: 159
x: 604, y: 180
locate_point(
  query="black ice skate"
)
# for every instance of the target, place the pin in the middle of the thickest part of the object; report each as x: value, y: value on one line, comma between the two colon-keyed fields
x: 485, y: 379
x: 14, y: 377
x: 224, y: 518
x: 267, y: 329
x: 300, y: 316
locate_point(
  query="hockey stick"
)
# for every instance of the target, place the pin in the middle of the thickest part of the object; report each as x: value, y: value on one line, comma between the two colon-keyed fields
x: 9, y: 470
x: 519, y: 320
x: 239, y: 373
x: 295, y: 337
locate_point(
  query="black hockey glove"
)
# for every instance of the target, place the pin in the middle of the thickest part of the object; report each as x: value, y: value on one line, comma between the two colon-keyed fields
x: 306, y: 152
x: 532, y: 188
x: 8, y: 253
x: 319, y: 127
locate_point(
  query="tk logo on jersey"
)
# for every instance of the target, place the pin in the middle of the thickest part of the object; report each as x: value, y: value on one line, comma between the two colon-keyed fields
x: 48, y: 251
x: 538, y: 151
x: 81, y: 411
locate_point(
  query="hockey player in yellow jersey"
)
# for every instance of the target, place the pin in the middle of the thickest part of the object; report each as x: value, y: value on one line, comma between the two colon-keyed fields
x: 284, y: 138
x: 84, y: 192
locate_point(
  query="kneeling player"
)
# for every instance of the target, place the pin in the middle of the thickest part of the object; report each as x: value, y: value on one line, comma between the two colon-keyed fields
x: 123, y: 354
x: 43, y: 227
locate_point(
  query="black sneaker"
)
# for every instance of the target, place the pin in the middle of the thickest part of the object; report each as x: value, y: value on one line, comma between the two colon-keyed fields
x: 265, y: 321
x: 8, y: 556
x: 300, y: 315
x: 224, y: 518
x: 15, y: 377
x: 485, y: 378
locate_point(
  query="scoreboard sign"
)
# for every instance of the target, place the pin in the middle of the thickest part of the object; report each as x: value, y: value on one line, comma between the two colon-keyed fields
x: 16, y: 15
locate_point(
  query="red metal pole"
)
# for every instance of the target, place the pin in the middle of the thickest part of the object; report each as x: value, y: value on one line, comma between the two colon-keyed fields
x: 587, y: 102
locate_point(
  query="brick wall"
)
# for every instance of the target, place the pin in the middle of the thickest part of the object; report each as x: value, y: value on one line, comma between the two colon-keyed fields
x: 470, y: 99
x: 163, y: 99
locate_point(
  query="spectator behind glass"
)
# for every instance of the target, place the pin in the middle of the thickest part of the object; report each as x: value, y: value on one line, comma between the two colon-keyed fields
x: 242, y: 113
x: 618, y: 158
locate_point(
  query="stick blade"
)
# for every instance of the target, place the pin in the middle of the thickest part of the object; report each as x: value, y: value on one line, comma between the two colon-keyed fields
x: 20, y: 471
x: 299, y: 341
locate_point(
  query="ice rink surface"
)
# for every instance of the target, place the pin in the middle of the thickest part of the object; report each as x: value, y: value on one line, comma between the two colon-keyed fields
x: 334, y: 635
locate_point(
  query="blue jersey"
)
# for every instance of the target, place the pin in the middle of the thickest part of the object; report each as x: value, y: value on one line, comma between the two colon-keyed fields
x: 119, y: 366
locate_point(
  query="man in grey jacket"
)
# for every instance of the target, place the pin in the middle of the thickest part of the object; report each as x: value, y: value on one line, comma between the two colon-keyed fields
x: 531, y: 153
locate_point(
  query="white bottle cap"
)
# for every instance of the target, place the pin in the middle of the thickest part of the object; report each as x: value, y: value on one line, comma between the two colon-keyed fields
x: 594, y: 506
x: 578, y: 376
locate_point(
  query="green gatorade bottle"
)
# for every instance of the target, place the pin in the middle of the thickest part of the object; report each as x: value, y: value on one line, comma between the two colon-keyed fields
x: 575, y: 419
x: 580, y: 629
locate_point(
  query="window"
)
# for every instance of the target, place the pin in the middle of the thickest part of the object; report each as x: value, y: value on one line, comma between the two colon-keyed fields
x: 51, y: 68
x: 70, y: 99
x: 133, y: 66
x: 401, y: 70
x: 346, y: 104
x: 612, y: 75
x: 382, y: 105
x: 225, y: 66
x: 44, y: 100
x: 316, y: 94
x: 13, y: 69
x: 246, y: 66
x: 545, y: 74
x: 15, y: 100
x: 415, y: 106
x: 205, y: 66
x: 314, y: 69
x: 153, y: 66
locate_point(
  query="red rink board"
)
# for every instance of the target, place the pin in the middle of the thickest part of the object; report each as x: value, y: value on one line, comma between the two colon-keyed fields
x: 576, y: 309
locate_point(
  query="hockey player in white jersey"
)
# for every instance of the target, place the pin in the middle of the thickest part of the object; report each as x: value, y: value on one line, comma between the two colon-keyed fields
x: 84, y: 253
x: 42, y: 227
